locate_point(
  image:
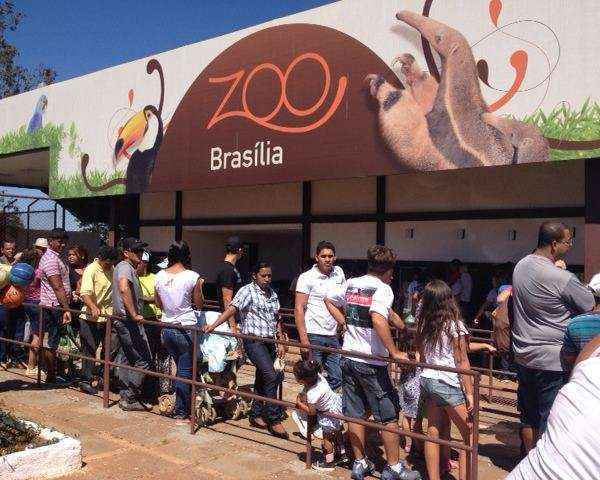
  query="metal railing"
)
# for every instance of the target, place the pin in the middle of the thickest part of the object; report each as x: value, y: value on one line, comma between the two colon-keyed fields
x: 470, y: 447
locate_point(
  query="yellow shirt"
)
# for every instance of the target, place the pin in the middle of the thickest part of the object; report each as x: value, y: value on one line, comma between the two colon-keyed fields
x: 97, y: 283
x: 147, y: 285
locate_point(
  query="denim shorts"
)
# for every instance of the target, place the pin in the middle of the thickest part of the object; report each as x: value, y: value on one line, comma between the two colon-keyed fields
x: 366, y: 388
x: 441, y: 393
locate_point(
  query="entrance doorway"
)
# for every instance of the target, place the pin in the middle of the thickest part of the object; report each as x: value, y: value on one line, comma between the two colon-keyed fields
x: 280, y: 245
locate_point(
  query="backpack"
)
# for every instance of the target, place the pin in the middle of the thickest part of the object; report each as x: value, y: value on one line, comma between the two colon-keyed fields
x: 502, y: 320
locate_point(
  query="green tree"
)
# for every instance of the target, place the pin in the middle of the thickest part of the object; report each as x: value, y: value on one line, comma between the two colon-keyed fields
x: 15, y: 78
x: 10, y: 221
x: 97, y: 228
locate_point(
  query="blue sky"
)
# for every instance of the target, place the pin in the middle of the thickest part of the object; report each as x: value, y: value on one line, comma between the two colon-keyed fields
x: 77, y: 37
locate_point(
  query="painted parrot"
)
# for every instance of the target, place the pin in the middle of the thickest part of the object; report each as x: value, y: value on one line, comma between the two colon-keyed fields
x: 35, y: 123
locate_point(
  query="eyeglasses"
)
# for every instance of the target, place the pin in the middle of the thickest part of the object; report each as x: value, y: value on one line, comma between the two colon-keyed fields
x: 569, y: 242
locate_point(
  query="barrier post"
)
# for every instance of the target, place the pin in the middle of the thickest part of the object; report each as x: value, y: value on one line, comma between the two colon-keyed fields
x: 490, y: 378
x: 474, y: 453
x: 106, y: 373
x: 39, y: 353
x: 194, y: 373
x: 310, y: 425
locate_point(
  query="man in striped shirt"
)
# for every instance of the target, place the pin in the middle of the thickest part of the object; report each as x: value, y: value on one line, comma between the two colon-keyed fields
x: 55, y: 290
x: 581, y: 329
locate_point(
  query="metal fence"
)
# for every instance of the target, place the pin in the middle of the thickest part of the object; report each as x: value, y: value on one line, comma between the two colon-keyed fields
x: 25, y: 218
x: 470, y: 447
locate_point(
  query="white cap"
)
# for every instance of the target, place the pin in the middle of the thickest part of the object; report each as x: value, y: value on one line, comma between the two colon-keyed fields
x: 145, y: 256
x: 595, y: 285
x: 41, y: 242
x: 163, y: 264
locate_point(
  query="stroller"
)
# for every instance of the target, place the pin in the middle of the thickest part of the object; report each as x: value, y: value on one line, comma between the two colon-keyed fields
x: 218, y: 363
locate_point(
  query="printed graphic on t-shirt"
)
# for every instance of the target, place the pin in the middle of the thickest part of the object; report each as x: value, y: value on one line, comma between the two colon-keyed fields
x: 358, y: 303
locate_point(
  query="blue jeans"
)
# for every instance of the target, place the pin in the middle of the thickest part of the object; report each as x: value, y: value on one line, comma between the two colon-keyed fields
x: 3, y: 333
x: 12, y: 326
x: 135, y: 352
x: 329, y: 361
x: 179, y: 345
x: 267, y: 380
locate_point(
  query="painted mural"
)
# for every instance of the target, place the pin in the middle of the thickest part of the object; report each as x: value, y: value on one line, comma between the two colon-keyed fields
x: 354, y: 88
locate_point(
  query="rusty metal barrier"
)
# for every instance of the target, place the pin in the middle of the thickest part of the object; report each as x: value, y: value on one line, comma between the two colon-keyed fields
x: 478, y: 335
x: 471, y: 448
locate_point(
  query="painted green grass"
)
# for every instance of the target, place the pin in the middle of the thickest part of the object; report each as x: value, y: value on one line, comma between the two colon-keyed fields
x: 73, y: 186
x: 55, y: 138
x: 49, y: 136
x: 568, y: 123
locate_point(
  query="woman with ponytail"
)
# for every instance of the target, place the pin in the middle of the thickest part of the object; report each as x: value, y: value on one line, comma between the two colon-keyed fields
x: 178, y: 291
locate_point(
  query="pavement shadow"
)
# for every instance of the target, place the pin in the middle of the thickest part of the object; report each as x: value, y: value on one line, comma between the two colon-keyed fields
x: 20, y: 385
x: 502, y: 456
x: 15, y: 384
x: 252, y: 438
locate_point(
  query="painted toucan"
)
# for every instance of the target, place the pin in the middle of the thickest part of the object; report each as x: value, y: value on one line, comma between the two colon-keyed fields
x: 35, y: 122
x: 132, y: 132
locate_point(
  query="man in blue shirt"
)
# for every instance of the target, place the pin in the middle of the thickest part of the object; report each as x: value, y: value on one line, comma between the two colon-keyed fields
x: 580, y: 331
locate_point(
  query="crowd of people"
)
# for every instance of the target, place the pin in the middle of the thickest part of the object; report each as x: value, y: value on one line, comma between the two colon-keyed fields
x: 544, y: 320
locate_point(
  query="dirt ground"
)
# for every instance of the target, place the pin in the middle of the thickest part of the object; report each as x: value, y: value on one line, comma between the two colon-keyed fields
x: 119, y: 445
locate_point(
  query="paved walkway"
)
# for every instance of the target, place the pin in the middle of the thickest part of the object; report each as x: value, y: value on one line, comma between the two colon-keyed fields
x: 119, y: 445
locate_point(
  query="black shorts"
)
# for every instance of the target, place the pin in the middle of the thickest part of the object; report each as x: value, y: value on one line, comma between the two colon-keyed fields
x: 368, y: 387
x: 536, y: 393
x: 51, y: 325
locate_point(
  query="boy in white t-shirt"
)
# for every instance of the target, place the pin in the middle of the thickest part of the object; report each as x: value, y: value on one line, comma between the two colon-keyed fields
x: 316, y: 326
x: 366, y: 307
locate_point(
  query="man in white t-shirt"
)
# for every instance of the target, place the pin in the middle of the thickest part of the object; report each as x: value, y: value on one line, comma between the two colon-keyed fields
x: 366, y: 307
x: 316, y: 326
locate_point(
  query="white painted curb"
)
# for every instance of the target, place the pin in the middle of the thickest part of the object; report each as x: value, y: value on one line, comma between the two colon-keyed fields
x: 49, y: 461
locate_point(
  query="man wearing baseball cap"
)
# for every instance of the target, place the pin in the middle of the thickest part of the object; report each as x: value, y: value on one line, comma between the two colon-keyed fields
x: 128, y: 303
x: 229, y: 280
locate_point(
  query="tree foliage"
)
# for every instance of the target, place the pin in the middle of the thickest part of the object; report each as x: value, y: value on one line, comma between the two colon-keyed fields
x: 10, y: 220
x: 15, y: 78
x: 99, y: 229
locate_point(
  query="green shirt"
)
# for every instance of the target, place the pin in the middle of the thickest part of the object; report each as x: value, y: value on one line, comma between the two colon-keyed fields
x: 147, y: 283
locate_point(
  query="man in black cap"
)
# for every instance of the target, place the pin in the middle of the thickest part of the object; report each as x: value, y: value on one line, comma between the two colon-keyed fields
x: 229, y: 280
x: 128, y: 302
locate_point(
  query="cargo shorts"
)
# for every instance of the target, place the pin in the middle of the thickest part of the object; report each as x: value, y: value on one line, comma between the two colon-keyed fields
x: 368, y: 388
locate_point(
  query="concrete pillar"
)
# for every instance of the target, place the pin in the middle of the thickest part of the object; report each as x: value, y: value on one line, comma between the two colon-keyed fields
x: 592, y: 217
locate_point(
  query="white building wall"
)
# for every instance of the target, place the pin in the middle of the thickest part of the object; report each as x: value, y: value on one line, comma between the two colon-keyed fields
x: 157, y: 206
x: 350, y: 239
x: 158, y: 238
x: 559, y: 184
x: 354, y: 195
x: 555, y: 184
x: 486, y: 241
x: 259, y: 200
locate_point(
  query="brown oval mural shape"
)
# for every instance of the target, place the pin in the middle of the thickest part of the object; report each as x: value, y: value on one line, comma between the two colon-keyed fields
x: 287, y: 103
